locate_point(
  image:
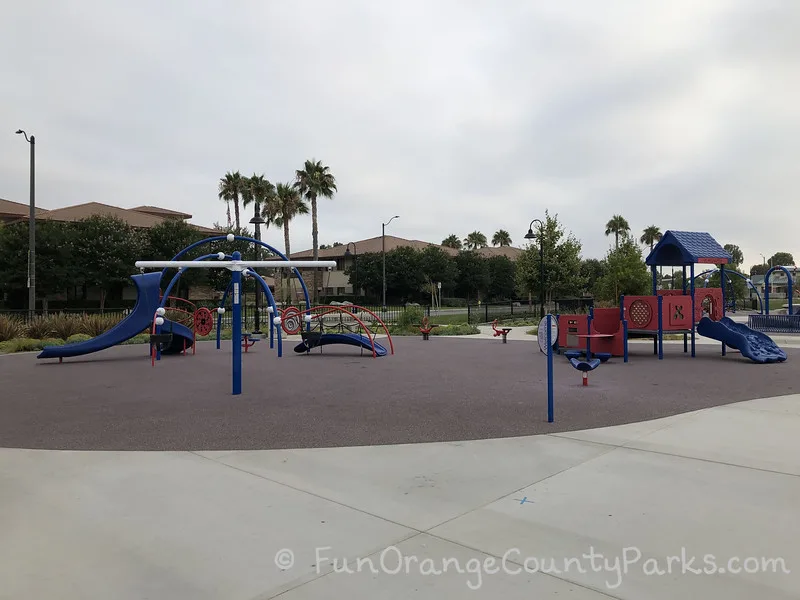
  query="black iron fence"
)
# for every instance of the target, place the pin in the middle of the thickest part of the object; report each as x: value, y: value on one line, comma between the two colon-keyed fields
x: 775, y: 323
x: 487, y: 312
x: 25, y: 315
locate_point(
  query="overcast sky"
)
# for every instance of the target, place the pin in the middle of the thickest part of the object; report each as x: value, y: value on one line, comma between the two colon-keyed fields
x: 456, y: 115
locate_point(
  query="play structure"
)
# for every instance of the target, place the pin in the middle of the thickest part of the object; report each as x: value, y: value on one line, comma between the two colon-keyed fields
x: 174, y: 330
x: 683, y: 312
x: 425, y: 328
x: 778, y: 323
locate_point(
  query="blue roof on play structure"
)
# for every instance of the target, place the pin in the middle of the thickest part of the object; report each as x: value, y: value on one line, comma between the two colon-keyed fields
x: 680, y: 248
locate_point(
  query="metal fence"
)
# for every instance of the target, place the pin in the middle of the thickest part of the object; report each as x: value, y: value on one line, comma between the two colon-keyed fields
x: 25, y: 315
x: 487, y: 312
x: 775, y: 323
x: 391, y: 315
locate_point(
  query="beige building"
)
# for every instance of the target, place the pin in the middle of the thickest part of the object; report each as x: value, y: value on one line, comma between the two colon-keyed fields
x: 337, y: 283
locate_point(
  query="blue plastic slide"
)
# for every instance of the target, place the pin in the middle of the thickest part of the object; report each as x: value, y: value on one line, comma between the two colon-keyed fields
x: 353, y: 339
x: 148, y: 288
x: 752, y: 344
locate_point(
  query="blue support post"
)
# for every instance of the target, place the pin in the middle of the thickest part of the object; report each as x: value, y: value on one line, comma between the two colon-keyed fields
x: 722, y: 285
x: 589, y: 332
x: 236, y: 337
x: 271, y: 330
x: 549, y: 370
x: 660, y: 328
x: 655, y: 280
x: 625, y: 340
x: 693, y: 310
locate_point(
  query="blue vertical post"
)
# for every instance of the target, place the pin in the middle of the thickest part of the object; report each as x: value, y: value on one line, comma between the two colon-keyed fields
x: 625, y: 340
x: 691, y: 284
x: 660, y: 327
x: 271, y: 329
x: 549, y: 369
x: 589, y: 332
x: 722, y: 285
x: 236, y: 325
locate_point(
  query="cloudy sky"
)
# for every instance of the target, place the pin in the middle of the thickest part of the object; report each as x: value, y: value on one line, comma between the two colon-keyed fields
x: 456, y: 115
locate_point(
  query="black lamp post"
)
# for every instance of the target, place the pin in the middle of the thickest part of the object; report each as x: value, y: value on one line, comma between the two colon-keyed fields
x: 31, y: 229
x: 257, y: 221
x: 529, y: 236
x: 354, y: 254
x: 383, y: 252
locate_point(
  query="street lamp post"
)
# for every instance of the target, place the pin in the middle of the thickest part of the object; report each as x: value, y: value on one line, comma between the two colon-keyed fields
x: 355, y: 265
x: 257, y: 221
x: 31, y: 228
x: 383, y: 252
x: 529, y: 236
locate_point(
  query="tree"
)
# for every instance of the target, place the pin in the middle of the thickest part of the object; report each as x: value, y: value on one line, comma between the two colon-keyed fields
x: 473, y: 274
x: 437, y: 266
x: 781, y: 259
x: 106, y: 249
x: 650, y: 236
x: 502, y: 278
x: 501, y: 238
x: 452, y: 241
x: 165, y: 240
x: 370, y: 274
x: 626, y: 272
x: 404, y: 278
x: 562, y: 263
x: 56, y: 270
x: 759, y: 269
x: 736, y: 253
x: 592, y: 270
x: 285, y: 206
x: 475, y: 240
x: 313, y: 181
x: 230, y: 190
x: 617, y: 226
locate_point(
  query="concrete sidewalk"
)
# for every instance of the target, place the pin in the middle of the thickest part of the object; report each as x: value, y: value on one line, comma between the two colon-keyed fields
x: 460, y: 519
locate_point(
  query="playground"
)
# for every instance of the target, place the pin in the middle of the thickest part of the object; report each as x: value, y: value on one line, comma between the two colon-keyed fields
x: 325, y: 431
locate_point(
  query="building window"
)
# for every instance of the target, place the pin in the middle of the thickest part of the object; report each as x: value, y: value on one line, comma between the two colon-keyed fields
x: 341, y: 291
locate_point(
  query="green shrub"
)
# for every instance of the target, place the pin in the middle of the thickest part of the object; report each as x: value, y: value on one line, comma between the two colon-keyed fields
x: 10, y: 328
x: 39, y: 327
x: 64, y: 325
x: 78, y: 337
x: 412, y: 315
x: 463, y: 329
x: 52, y: 342
x: 26, y: 345
x: 94, y: 325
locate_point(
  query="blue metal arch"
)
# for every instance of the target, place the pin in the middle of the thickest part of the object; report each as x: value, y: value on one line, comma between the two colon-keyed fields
x: 218, y: 238
x: 747, y: 280
x: 789, y: 291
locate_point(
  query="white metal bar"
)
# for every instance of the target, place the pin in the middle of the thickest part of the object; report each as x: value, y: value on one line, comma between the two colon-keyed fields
x: 240, y: 264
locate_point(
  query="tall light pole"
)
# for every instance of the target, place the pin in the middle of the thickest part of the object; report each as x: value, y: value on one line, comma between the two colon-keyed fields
x: 257, y: 221
x: 383, y: 252
x: 529, y: 236
x: 31, y: 228
x: 347, y: 254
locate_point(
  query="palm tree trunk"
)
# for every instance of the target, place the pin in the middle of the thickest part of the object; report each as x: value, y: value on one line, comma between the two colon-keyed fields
x: 236, y: 212
x: 229, y: 212
x: 288, y: 251
x: 616, y: 240
x: 315, y: 245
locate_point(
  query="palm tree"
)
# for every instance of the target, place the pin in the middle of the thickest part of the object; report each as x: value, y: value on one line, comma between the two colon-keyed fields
x: 475, y: 240
x: 285, y: 206
x: 651, y: 236
x: 230, y: 189
x: 452, y: 241
x: 501, y: 238
x: 618, y: 226
x: 315, y: 180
